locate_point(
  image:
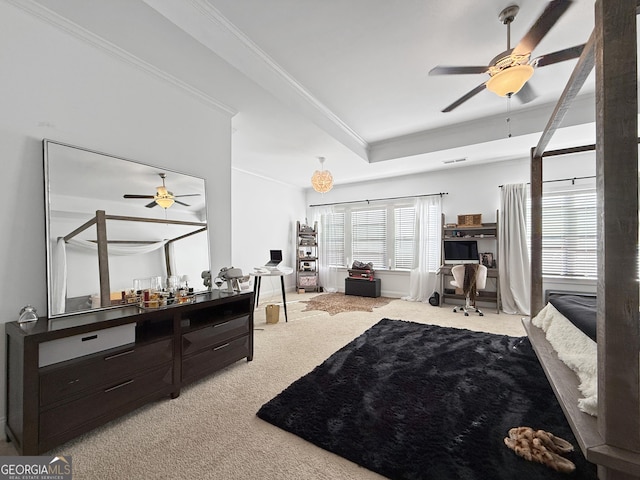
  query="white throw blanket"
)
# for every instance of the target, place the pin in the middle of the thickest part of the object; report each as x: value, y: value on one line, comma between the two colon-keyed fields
x: 576, y: 350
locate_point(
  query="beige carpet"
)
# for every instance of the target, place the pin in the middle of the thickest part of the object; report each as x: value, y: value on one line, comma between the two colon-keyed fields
x: 211, y: 430
x: 333, y: 303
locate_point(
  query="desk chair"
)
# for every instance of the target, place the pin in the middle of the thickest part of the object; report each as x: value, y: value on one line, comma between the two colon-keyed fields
x: 471, y: 277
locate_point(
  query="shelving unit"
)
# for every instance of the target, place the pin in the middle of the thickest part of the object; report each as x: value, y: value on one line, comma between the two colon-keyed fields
x: 487, y: 236
x: 307, y: 276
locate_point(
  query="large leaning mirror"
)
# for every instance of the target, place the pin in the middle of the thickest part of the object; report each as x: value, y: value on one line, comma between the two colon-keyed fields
x: 114, y: 225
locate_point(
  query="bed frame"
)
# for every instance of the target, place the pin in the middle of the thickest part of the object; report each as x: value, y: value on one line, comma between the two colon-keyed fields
x: 100, y: 221
x: 612, y: 440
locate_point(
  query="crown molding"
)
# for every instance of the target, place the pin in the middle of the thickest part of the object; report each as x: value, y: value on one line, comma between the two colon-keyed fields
x: 42, y: 13
x: 209, y: 26
x: 214, y: 15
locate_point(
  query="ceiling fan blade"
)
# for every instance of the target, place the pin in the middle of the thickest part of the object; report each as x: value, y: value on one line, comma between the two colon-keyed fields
x: 541, y: 27
x: 182, y: 203
x: 151, y: 205
x: 465, y: 97
x: 187, y: 195
x: 559, y: 56
x: 128, y: 195
x: 526, y: 94
x: 440, y: 70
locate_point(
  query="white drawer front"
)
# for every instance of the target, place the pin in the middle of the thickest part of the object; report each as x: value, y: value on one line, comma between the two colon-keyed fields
x: 91, y: 342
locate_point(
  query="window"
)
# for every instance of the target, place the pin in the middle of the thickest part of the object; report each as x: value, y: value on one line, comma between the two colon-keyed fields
x: 569, y: 233
x: 405, y: 224
x: 333, y: 238
x: 381, y: 234
x: 369, y: 237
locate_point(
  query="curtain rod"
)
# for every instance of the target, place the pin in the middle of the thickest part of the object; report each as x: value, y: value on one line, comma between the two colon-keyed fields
x: 573, y: 180
x: 379, y: 199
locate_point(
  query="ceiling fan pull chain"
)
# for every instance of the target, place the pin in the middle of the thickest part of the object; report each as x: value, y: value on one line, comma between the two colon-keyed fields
x: 509, y: 116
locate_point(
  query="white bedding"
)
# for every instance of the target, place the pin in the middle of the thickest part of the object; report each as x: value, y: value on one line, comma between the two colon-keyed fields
x: 576, y: 350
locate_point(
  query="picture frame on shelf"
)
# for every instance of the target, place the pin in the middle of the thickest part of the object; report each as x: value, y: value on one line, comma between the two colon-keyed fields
x: 486, y: 259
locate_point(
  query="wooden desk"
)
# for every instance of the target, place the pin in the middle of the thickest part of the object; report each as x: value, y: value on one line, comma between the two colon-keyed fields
x: 483, y: 295
x: 278, y: 272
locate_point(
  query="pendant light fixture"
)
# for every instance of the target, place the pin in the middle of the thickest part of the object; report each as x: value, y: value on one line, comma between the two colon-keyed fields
x: 321, y: 180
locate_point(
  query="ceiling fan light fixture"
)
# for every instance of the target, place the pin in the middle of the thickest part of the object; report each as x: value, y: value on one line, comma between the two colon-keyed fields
x: 163, y: 197
x: 322, y: 180
x: 510, y: 80
x: 165, y: 201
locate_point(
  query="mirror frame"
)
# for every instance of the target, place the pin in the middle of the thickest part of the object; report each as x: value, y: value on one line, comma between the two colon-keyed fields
x: 134, y: 230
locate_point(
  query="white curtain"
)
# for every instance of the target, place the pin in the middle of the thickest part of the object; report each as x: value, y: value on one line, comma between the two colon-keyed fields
x: 118, y: 249
x: 424, y: 277
x: 59, y: 264
x: 513, y: 254
x: 328, y: 273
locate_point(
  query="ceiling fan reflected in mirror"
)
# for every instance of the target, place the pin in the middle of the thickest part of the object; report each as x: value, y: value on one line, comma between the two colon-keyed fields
x: 163, y: 197
x: 510, y: 70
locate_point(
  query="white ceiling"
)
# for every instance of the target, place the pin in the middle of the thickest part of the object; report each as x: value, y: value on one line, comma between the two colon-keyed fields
x: 349, y: 80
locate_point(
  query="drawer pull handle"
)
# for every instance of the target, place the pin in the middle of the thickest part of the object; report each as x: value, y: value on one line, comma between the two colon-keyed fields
x: 123, y: 384
x: 90, y: 337
x: 116, y: 355
x: 221, y: 347
x: 220, y: 324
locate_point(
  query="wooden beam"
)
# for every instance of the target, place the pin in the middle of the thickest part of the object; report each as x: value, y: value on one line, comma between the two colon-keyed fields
x: 167, y: 259
x: 577, y: 79
x: 536, y: 235
x: 80, y: 229
x: 187, y: 235
x: 103, y: 259
x: 155, y: 220
x: 617, y: 185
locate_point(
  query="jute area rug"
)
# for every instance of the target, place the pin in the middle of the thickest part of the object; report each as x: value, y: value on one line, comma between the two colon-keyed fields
x: 416, y: 401
x: 334, y: 303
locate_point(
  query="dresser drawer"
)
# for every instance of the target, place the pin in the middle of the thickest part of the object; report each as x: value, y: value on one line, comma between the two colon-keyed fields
x: 71, y: 415
x: 214, y: 359
x: 76, y: 346
x: 214, y: 334
x: 60, y: 382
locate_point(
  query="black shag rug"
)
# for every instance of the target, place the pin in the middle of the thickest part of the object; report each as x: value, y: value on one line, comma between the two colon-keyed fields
x: 415, y: 401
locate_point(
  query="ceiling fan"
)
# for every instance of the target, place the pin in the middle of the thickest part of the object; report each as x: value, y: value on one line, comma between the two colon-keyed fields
x: 510, y: 70
x: 163, y: 197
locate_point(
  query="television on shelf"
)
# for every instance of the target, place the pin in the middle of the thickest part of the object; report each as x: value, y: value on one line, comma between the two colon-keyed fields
x: 461, y: 251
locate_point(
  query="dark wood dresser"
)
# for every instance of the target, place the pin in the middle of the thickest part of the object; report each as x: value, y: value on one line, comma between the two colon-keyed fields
x: 68, y: 375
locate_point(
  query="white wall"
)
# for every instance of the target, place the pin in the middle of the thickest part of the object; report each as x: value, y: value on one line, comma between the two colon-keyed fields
x: 264, y: 215
x: 57, y: 86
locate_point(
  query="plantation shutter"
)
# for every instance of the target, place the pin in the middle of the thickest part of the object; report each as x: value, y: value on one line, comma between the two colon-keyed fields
x: 433, y: 237
x: 333, y: 236
x: 569, y: 233
x: 369, y: 236
x: 405, y: 224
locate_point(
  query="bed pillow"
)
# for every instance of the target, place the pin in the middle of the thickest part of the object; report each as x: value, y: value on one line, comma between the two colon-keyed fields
x: 579, y: 310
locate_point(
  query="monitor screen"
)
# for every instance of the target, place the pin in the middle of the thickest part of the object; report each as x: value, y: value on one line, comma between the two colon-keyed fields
x: 275, y: 255
x: 461, y: 251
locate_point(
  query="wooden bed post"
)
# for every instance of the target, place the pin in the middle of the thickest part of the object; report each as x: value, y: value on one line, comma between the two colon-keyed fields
x: 617, y: 177
x: 536, y: 302
x: 103, y: 258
